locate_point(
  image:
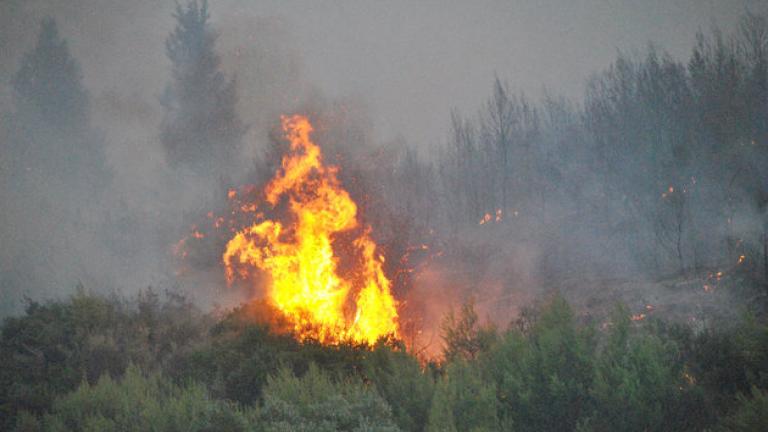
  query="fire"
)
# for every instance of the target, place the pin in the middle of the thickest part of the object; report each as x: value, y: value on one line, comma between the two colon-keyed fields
x: 300, y: 256
x: 488, y: 217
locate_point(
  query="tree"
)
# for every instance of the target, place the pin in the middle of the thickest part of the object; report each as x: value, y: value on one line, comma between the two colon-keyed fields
x: 315, y: 402
x: 497, y: 128
x: 200, y: 128
x: 464, y: 401
x: 464, y: 175
x: 57, y: 345
x: 53, y: 171
x: 400, y: 380
x: 750, y: 415
x: 636, y: 381
x: 48, y: 85
x: 543, y: 371
x: 139, y: 402
x: 462, y: 335
x: 52, y: 136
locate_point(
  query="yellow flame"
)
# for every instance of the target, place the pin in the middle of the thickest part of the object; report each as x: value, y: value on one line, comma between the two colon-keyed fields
x: 300, y: 258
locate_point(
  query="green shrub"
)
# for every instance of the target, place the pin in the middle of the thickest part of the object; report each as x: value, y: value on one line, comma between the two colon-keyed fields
x: 400, y: 380
x: 463, y: 336
x: 140, y: 403
x: 317, y: 403
x: 751, y: 413
x: 543, y: 373
x: 636, y: 380
x: 463, y: 401
x: 54, y: 346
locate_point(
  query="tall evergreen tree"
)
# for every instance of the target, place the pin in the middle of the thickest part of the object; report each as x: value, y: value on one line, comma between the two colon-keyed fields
x: 200, y: 129
x: 53, y: 171
x: 48, y: 85
x: 51, y: 137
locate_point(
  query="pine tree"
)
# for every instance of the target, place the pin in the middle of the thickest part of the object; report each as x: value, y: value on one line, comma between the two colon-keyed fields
x: 48, y: 85
x: 201, y: 129
x: 53, y: 171
x: 51, y: 137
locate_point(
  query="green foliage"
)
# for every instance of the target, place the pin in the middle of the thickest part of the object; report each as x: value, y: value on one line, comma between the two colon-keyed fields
x: 463, y: 401
x: 55, y: 346
x: 141, y: 403
x: 544, y: 374
x: 237, y: 363
x: 65, y: 366
x: 732, y: 360
x: 401, y: 381
x: 751, y: 414
x: 242, y: 353
x: 315, y: 402
x: 636, y: 380
x: 463, y: 336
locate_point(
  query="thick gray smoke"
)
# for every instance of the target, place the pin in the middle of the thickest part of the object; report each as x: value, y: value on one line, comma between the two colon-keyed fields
x: 577, y: 192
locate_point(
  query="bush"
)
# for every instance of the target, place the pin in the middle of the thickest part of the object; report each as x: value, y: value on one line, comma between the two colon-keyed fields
x: 636, y: 381
x: 317, y: 403
x: 751, y: 414
x: 64, y: 366
x: 55, y: 346
x: 463, y: 401
x: 543, y: 373
x: 140, y: 403
x: 400, y: 380
x: 243, y: 351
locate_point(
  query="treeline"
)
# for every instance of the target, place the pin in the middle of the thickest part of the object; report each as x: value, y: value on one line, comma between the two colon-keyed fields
x: 157, y: 363
x: 662, y: 164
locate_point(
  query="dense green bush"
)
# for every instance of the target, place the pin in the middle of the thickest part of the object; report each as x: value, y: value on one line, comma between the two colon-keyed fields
x: 751, y: 413
x: 317, y: 403
x: 140, y: 403
x: 402, y: 382
x: 242, y: 352
x: 636, y: 381
x: 55, y: 346
x: 65, y: 366
x: 463, y: 401
x: 551, y: 373
x: 543, y: 370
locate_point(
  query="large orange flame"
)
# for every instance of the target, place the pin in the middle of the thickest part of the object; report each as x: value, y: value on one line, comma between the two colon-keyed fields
x: 299, y: 257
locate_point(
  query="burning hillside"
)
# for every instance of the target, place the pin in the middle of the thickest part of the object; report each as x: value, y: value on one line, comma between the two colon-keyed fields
x: 322, y: 268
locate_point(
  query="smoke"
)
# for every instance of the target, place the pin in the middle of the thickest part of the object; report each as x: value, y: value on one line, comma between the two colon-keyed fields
x: 380, y: 79
x: 122, y: 240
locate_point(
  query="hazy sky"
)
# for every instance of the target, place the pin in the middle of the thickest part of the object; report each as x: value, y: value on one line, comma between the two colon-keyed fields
x: 409, y: 62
